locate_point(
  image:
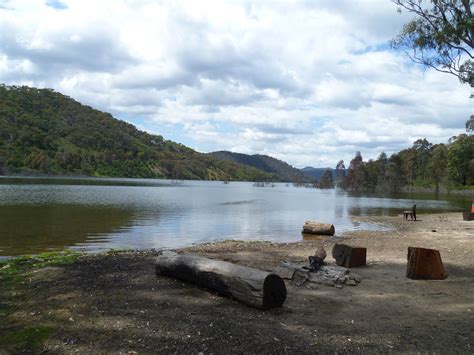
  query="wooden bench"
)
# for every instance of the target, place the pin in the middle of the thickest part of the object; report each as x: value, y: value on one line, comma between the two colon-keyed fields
x: 411, y: 213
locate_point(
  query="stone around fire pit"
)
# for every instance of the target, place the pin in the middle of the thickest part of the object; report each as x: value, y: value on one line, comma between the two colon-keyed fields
x: 327, y: 275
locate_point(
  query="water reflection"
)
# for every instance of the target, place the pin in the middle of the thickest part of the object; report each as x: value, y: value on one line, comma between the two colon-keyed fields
x: 95, y: 214
x: 26, y: 229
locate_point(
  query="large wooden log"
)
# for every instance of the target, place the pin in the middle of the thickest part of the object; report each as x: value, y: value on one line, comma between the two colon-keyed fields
x: 425, y: 264
x: 253, y: 287
x: 311, y: 227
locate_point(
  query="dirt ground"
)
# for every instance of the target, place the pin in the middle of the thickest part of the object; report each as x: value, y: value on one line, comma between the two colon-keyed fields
x: 116, y: 304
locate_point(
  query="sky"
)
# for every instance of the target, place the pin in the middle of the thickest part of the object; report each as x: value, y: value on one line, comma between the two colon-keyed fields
x: 307, y: 82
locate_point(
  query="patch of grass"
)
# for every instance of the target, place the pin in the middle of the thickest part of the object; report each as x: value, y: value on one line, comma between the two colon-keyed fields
x: 43, y: 259
x: 14, y: 270
x: 25, y: 339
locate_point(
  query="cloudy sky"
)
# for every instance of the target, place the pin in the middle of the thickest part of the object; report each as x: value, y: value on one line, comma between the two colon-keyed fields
x: 308, y: 82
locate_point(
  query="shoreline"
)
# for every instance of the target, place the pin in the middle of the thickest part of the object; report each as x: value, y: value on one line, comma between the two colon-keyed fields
x: 99, y: 180
x: 114, y: 302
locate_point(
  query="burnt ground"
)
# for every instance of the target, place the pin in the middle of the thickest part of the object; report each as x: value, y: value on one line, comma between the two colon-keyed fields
x: 114, y: 303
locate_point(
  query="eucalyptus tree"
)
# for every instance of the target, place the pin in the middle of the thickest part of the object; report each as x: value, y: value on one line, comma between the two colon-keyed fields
x: 441, y: 36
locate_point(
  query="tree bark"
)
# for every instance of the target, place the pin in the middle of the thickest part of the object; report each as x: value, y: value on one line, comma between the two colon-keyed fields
x: 253, y: 287
x: 311, y: 227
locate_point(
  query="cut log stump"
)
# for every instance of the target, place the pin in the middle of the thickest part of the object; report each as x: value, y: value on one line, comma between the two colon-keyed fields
x: 253, y: 287
x: 425, y: 264
x: 468, y: 216
x: 348, y: 256
x: 311, y: 227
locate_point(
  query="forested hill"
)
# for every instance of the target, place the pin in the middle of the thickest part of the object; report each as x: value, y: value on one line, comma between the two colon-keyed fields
x: 266, y: 163
x: 45, y: 132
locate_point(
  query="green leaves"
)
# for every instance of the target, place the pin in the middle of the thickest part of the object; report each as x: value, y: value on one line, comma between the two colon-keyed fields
x: 441, y: 37
x: 422, y: 165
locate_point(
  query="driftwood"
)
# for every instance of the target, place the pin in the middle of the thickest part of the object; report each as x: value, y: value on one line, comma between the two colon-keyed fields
x: 311, y: 227
x: 425, y: 264
x: 253, y: 287
x: 348, y: 256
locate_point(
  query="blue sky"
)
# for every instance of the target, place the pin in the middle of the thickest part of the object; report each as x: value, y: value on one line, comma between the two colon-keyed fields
x: 308, y: 82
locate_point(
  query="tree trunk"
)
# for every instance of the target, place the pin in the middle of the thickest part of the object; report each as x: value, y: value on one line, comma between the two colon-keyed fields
x: 253, y: 287
x: 311, y: 227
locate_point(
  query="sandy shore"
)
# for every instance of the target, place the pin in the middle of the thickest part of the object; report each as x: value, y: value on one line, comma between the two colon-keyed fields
x: 115, y: 303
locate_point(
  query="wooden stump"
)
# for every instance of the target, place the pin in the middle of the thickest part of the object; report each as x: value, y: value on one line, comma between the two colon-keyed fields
x: 311, y: 227
x: 425, y: 264
x: 348, y: 256
x: 253, y: 287
x: 468, y: 216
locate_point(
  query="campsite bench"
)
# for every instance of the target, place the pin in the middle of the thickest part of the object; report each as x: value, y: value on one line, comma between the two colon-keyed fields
x: 411, y: 213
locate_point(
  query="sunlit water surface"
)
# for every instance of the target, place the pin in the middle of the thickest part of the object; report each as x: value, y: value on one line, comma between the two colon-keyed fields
x: 100, y: 214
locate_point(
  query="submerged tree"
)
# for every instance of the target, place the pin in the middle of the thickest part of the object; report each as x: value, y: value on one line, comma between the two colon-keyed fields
x: 340, y: 173
x: 326, y: 181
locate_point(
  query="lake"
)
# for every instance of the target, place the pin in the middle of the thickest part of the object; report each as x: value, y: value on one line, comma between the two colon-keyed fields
x: 92, y: 214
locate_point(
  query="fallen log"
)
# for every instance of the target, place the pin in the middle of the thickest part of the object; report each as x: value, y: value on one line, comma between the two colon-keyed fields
x: 425, y: 264
x: 311, y: 227
x: 253, y: 287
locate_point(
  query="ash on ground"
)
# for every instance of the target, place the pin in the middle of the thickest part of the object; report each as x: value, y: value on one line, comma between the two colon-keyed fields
x: 300, y: 275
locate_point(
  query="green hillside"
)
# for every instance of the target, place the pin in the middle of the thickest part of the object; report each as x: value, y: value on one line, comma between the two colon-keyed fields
x: 45, y: 132
x: 284, y: 171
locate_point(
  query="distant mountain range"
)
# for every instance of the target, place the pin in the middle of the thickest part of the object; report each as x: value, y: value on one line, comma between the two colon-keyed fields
x: 284, y: 171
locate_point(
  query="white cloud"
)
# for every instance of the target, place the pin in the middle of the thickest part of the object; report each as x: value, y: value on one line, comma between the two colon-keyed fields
x: 309, y: 82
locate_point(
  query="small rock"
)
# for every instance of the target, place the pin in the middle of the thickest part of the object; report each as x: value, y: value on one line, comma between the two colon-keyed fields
x: 338, y: 286
x: 329, y: 282
x: 320, y: 253
x: 351, y: 283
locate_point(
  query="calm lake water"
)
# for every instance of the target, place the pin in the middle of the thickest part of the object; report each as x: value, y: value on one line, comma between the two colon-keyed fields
x: 39, y: 214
